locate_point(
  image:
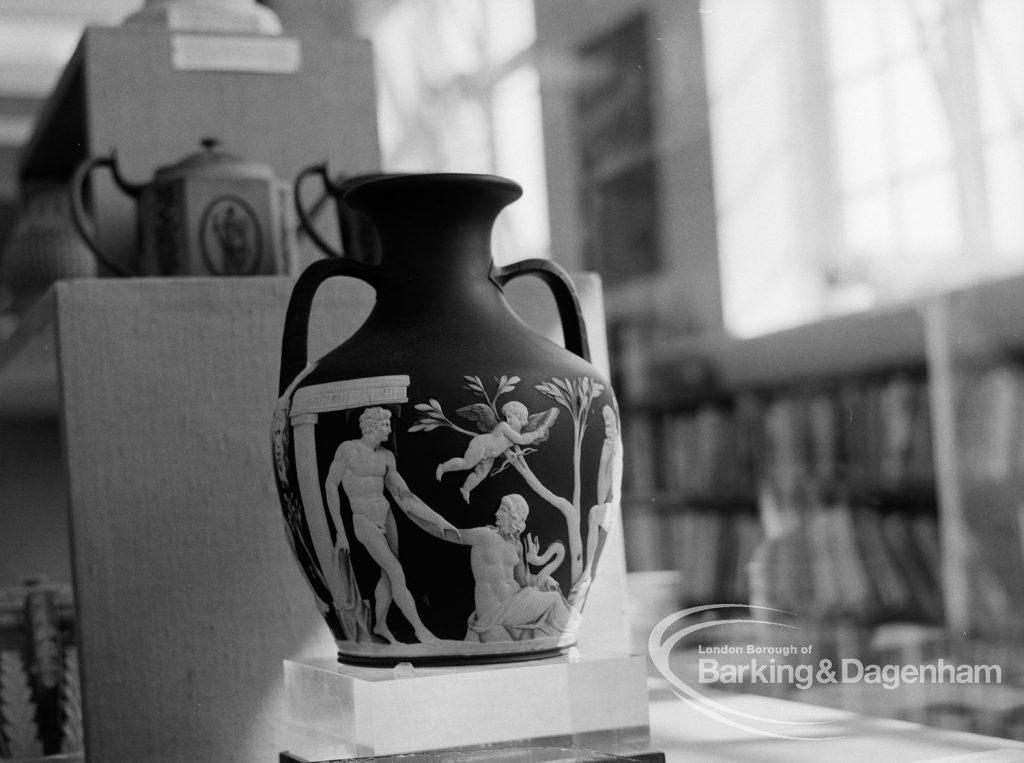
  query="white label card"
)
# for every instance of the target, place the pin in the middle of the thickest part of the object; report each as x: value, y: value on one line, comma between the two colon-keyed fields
x: 236, y: 53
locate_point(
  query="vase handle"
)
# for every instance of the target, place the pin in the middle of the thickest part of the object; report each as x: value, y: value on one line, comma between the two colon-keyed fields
x: 81, y: 218
x: 294, y: 344
x: 574, y: 330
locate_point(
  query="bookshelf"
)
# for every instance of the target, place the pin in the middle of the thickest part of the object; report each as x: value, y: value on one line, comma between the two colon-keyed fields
x: 866, y: 470
x: 864, y: 473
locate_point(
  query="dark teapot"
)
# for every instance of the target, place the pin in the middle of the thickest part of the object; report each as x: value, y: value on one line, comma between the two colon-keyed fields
x: 210, y: 213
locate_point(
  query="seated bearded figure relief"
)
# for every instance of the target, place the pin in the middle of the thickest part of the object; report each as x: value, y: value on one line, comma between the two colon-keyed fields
x: 511, y: 602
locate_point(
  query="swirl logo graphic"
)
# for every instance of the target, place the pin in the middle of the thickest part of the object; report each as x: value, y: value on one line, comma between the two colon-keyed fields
x: 660, y: 646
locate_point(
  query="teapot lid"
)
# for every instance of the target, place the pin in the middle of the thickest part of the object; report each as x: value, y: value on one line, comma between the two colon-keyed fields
x: 212, y: 162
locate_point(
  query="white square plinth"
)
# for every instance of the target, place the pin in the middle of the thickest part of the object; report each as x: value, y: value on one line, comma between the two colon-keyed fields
x: 336, y: 710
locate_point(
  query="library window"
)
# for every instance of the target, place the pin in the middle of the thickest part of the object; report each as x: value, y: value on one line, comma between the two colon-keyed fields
x: 617, y: 153
x: 865, y: 153
x: 458, y: 91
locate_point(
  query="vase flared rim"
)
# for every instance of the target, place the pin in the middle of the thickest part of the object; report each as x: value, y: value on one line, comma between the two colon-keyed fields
x: 356, y: 195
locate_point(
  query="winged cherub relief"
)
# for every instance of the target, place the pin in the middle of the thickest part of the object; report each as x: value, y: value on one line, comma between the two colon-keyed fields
x: 509, y: 438
x: 518, y: 428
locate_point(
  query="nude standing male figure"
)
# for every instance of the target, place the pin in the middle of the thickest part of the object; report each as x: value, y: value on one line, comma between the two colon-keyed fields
x: 364, y: 469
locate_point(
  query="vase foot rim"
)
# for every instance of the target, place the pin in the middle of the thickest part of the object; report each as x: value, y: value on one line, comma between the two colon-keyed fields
x: 463, y: 653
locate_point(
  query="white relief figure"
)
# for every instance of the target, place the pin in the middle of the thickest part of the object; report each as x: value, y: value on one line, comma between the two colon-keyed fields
x: 512, y: 604
x: 364, y: 469
x: 576, y: 396
x: 609, y: 477
x: 333, y: 584
x: 518, y: 428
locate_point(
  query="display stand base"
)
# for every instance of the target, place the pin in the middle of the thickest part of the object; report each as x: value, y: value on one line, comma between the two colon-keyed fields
x: 593, y: 702
x: 497, y: 755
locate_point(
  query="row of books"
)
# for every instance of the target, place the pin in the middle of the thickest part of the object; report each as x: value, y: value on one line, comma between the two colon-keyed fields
x: 866, y: 435
x: 830, y: 563
x: 710, y: 548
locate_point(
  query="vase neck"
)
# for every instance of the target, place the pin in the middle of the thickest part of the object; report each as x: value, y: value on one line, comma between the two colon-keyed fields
x: 435, y: 227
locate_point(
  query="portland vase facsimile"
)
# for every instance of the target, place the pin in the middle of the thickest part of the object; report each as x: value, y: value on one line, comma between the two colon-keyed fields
x: 447, y: 475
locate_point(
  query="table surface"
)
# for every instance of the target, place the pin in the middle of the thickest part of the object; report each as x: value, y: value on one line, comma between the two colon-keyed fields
x: 744, y: 727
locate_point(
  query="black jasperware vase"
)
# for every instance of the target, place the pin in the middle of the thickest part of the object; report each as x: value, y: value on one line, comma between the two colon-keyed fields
x: 447, y: 474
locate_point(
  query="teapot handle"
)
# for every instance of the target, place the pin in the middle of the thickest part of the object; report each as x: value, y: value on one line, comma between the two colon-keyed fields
x: 294, y: 343
x: 574, y: 330
x: 305, y: 220
x: 83, y: 221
